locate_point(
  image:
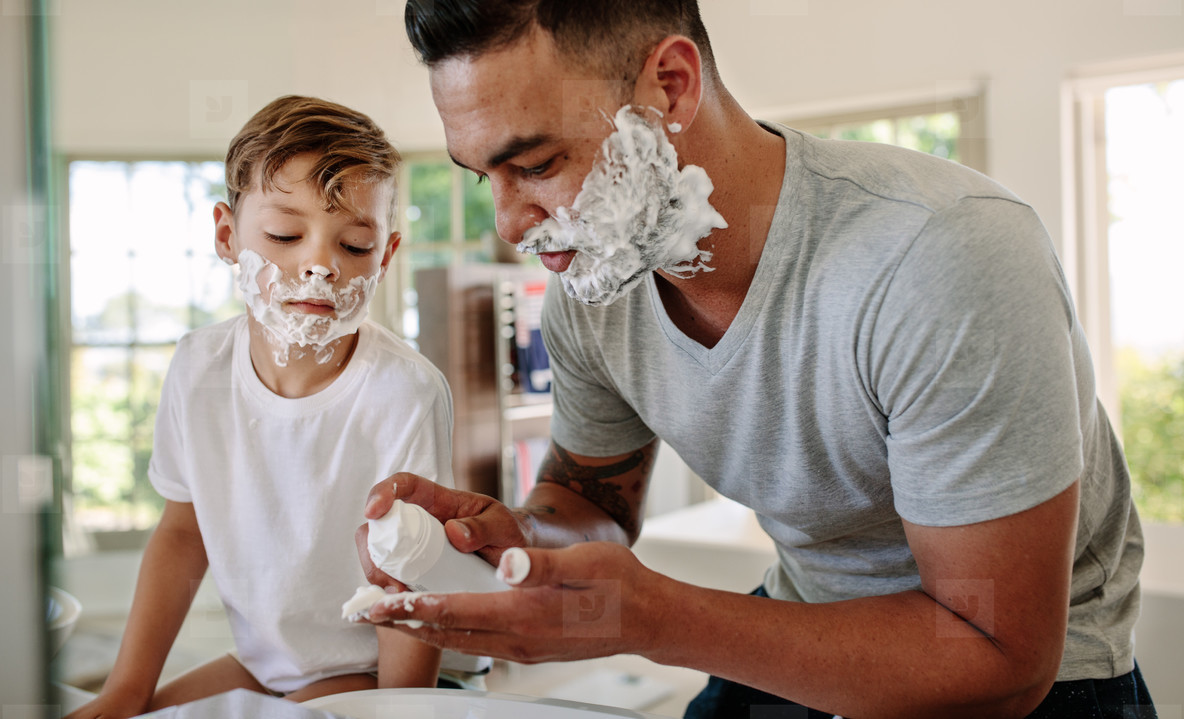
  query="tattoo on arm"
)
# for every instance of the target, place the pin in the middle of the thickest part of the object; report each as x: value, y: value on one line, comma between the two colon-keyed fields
x: 592, y: 482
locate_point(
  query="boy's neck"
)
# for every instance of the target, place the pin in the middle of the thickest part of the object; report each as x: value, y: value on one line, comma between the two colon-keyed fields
x: 300, y: 373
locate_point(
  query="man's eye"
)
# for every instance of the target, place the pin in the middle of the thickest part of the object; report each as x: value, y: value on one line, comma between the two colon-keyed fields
x: 537, y: 170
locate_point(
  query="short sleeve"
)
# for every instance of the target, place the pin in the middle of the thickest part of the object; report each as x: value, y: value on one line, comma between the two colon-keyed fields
x: 429, y: 451
x: 972, y: 364
x: 589, y: 414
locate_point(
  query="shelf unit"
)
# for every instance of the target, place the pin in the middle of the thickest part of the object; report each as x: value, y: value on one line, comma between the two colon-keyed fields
x: 466, y: 328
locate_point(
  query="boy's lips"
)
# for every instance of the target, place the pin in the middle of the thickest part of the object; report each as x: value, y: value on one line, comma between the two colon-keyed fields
x: 557, y: 262
x: 312, y: 307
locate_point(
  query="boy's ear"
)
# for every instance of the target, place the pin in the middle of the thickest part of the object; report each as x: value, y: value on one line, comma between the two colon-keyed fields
x: 392, y: 244
x: 224, y: 243
x: 672, y: 81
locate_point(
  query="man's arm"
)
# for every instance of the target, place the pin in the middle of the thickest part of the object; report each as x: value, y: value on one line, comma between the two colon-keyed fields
x: 576, y: 494
x: 983, y: 638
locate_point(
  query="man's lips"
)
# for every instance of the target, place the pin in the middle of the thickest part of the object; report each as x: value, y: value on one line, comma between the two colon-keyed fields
x: 557, y: 262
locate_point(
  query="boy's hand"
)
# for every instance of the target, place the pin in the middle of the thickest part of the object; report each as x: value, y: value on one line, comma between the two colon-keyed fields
x: 109, y: 705
x: 473, y: 522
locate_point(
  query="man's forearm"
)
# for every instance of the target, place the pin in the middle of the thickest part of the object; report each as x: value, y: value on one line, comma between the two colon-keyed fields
x: 895, y: 655
x: 555, y: 516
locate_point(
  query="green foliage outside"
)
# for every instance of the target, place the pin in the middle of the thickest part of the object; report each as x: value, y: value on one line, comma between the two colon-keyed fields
x: 1152, y: 396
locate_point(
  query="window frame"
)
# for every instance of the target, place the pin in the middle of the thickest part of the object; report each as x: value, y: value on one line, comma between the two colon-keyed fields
x: 968, y: 101
x: 77, y: 541
x: 1085, y: 257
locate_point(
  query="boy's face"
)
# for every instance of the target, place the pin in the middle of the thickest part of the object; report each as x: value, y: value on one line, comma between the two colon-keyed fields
x: 307, y: 274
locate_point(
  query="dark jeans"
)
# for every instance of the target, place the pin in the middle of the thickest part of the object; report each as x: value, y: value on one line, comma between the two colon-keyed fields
x: 1124, y: 697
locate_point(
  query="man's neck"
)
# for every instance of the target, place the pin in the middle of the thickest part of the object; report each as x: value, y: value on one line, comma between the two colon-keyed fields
x: 746, y: 164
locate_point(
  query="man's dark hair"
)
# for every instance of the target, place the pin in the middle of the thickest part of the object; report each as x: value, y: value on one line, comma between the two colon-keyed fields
x: 612, y: 37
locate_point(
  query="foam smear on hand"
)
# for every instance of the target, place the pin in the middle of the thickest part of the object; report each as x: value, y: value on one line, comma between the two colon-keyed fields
x: 367, y: 598
x: 637, y: 212
x: 296, y: 331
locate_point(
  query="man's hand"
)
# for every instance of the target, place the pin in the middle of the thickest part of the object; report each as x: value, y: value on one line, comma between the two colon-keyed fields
x: 473, y: 522
x: 588, y: 600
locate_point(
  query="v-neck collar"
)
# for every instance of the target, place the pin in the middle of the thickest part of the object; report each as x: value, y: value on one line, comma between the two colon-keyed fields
x: 715, y: 358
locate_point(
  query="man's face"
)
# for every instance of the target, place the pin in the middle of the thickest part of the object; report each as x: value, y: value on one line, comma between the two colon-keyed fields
x: 524, y: 121
x: 603, y: 213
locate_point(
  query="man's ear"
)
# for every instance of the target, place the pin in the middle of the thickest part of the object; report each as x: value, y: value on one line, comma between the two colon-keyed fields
x: 392, y: 244
x: 672, y: 80
x: 224, y: 233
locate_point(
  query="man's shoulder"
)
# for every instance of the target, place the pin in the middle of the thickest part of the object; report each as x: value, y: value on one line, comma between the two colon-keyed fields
x: 890, y: 173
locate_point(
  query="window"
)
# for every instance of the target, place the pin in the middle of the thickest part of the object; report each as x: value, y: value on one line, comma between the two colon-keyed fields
x: 143, y: 272
x: 446, y: 218
x: 950, y: 128
x: 1126, y: 255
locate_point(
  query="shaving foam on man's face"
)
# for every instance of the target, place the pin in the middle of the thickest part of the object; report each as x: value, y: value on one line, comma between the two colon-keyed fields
x: 273, y: 300
x: 636, y: 213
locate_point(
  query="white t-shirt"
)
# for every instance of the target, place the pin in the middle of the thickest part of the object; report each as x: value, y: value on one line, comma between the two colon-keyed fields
x: 279, y: 486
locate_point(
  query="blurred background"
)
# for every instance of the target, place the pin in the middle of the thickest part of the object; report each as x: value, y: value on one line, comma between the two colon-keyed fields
x: 114, y: 119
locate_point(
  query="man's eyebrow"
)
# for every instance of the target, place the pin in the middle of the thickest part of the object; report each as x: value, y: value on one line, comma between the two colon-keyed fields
x: 511, y: 149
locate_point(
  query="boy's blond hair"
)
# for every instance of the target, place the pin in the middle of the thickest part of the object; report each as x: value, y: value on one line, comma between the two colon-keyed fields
x: 350, y: 149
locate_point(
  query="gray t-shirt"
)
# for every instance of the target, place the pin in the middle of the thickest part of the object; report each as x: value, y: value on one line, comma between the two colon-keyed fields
x: 907, y: 348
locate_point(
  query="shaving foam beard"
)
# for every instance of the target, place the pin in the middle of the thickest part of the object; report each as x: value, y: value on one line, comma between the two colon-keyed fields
x: 286, y: 330
x: 636, y: 213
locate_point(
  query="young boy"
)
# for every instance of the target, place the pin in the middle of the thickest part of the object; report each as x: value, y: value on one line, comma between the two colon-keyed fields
x: 272, y: 427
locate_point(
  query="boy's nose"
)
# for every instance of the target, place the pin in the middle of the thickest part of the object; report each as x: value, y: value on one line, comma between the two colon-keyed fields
x: 318, y: 271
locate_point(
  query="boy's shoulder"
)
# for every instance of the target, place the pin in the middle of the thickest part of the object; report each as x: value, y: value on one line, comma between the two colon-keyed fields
x: 390, y: 355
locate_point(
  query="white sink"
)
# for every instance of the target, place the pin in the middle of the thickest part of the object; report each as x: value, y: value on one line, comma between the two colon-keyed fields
x: 61, y: 613
x: 459, y: 704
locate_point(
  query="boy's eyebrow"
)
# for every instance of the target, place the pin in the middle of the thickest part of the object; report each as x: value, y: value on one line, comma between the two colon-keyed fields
x: 512, y: 148
x: 355, y: 220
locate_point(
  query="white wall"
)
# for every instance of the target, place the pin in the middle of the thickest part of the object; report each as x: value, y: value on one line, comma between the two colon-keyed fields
x: 133, y: 76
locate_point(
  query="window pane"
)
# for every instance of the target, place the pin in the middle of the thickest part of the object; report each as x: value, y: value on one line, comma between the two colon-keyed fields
x: 430, y: 212
x: 935, y: 134
x: 877, y: 131
x: 143, y: 273
x: 1145, y: 167
x: 479, y: 213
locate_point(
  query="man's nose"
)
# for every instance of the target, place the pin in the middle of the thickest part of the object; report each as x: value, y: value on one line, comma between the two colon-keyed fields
x: 516, y: 212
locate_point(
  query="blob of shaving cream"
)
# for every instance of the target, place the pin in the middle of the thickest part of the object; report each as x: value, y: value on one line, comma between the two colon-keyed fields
x: 635, y: 213
x: 514, y: 566
x: 365, y: 599
x: 287, y: 330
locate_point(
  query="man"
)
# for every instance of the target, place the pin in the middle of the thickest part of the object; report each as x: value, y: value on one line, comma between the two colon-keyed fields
x: 873, y: 349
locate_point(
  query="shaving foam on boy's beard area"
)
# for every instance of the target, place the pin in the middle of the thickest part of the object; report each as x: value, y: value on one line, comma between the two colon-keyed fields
x: 287, y: 330
x: 636, y: 213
